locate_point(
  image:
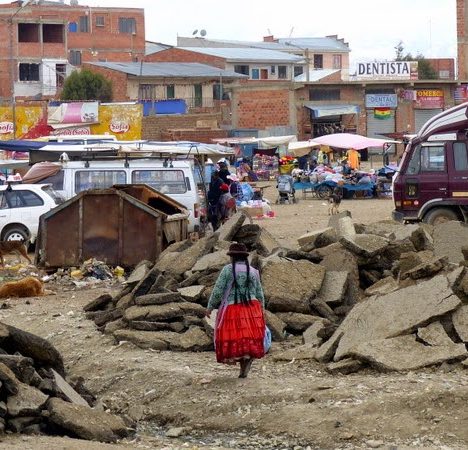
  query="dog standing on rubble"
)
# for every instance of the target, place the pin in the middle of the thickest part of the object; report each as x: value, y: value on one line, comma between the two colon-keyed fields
x: 334, y: 201
x: 17, y: 247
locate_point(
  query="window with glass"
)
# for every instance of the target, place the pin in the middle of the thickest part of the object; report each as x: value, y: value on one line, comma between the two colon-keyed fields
x: 98, y: 179
x: 55, y: 180
x: 427, y: 159
x: 282, y: 72
x: 242, y: 69
x: 170, y: 91
x: 255, y: 74
x: 460, y: 156
x: 298, y: 70
x: 84, y: 24
x: 164, y: 181
x: 75, y: 57
x: 318, y: 61
x: 20, y: 199
x: 337, y: 61
x: 100, y: 21
x: 317, y: 94
x: 127, y: 25
x: 28, y: 72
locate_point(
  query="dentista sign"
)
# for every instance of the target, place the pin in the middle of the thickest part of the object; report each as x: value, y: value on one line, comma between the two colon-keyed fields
x: 387, y: 70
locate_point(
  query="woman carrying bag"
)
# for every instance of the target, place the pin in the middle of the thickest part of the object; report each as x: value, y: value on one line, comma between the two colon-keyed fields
x: 240, y: 332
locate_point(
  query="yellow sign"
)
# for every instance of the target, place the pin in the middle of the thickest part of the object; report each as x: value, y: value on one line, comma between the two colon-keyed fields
x: 26, y: 118
x: 122, y: 120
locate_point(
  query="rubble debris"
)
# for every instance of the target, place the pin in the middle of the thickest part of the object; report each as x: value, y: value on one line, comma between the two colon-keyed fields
x: 317, y: 239
x: 345, y: 366
x: 301, y: 352
x: 383, y: 286
x: 230, y: 228
x: 333, y: 287
x: 434, y: 334
x: 32, y: 381
x: 460, y: 322
x: 296, y: 322
x: 426, y: 269
x: 318, y: 332
x: 404, y: 353
x: 276, y: 326
x: 449, y: 239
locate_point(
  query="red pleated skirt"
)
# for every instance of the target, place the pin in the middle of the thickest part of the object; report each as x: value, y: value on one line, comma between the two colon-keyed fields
x: 240, y: 333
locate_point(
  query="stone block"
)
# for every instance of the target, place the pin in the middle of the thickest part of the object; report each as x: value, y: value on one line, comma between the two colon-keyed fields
x: 460, y: 322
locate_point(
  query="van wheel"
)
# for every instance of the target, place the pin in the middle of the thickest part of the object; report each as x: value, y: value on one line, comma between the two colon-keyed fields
x: 16, y: 234
x: 440, y: 215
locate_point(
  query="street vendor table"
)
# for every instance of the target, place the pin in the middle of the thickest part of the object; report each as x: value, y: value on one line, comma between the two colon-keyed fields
x: 324, y: 189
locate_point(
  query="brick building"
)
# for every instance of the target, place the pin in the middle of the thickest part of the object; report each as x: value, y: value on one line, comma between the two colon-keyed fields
x: 40, y: 41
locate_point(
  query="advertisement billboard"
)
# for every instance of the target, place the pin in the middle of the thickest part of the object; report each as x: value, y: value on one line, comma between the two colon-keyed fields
x: 387, y: 70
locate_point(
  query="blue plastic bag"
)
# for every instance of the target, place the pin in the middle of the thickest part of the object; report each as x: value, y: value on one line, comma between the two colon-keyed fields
x: 267, y: 340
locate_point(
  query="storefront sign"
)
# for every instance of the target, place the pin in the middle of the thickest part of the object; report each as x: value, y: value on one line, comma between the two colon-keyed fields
x: 381, y: 101
x: 119, y: 126
x: 6, y: 127
x: 461, y: 94
x: 429, y: 99
x: 75, y: 131
x: 387, y: 70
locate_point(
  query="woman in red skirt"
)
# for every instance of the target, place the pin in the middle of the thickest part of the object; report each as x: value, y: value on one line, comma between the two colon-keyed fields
x: 240, y: 324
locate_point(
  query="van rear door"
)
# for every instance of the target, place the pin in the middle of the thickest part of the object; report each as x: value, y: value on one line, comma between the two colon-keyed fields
x: 426, y: 177
x: 458, y: 168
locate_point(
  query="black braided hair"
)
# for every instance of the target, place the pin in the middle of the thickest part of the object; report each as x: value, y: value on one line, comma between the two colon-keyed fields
x: 244, y: 294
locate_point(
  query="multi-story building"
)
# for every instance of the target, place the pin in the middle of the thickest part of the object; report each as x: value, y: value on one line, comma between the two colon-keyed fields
x: 40, y: 41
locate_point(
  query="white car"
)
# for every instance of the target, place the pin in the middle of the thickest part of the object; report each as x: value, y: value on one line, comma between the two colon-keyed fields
x: 21, y: 205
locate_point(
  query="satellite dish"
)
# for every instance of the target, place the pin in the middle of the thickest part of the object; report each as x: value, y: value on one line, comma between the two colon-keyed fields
x: 202, y: 32
x: 194, y: 32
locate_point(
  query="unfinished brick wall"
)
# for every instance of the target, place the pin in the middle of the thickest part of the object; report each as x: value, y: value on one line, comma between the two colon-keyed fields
x: 262, y: 108
x: 179, y: 55
x: 462, y: 38
x: 118, y: 79
x: 154, y: 126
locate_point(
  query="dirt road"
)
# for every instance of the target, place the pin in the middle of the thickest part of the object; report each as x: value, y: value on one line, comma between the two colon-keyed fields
x: 295, y: 405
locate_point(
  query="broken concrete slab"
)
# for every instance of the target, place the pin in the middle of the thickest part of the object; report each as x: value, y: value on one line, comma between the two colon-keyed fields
x: 276, y: 326
x: 143, y: 325
x: 434, y: 334
x: 139, y: 272
x: 8, y: 379
x: 404, y: 353
x: 194, y: 339
x: 365, y: 245
x: 345, y: 366
x: 158, y: 299
x: 161, y: 313
x: 383, y: 228
x: 345, y: 228
x: 382, y: 287
x: 211, y: 261
x: 323, y: 310
x: 266, y: 243
x: 142, y: 339
x: 405, y: 231
x: 289, y: 284
x: 334, y: 219
x: 28, y: 401
x: 390, y: 315
x: 410, y: 260
x: 67, y: 390
x: 426, y: 269
x: 449, y: 238
x: 314, y: 335
x: 86, y: 423
x: 460, y: 322
x: 334, y: 287
x: 297, y: 322
x: 319, y: 238
x: 302, y: 352
x: 98, y: 303
x: 229, y: 229
x: 118, y: 324
x: 422, y: 238
x: 191, y: 293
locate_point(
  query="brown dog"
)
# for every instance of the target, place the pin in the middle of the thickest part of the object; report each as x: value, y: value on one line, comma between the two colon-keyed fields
x: 27, y: 287
x: 17, y: 247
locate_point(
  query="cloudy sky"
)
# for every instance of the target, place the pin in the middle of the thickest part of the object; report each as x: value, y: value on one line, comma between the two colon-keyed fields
x: 372, y: 27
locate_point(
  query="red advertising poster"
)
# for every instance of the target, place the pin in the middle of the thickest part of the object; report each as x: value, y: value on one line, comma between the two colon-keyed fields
x: 429, y: 99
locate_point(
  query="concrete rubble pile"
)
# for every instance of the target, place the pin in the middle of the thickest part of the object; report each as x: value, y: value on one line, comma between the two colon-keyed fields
x: 35, y: 398
x: 384, y: 294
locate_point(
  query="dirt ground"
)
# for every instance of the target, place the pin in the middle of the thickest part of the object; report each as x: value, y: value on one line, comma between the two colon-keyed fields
x: 295, y: 405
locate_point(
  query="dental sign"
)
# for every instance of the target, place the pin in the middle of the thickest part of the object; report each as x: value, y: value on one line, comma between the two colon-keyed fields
x: 387, y: 70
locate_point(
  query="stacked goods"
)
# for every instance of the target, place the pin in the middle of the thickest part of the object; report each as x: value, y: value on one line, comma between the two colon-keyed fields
x: 35, y: 398
x: 325, y: 290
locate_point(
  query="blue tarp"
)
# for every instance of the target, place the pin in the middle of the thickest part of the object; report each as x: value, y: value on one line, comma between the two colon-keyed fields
x: 23, y: 145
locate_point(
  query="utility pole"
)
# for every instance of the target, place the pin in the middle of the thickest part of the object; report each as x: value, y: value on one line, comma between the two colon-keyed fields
x: 12, y: 67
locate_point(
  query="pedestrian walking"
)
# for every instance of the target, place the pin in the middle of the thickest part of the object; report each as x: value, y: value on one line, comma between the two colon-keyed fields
x: 240, y: 333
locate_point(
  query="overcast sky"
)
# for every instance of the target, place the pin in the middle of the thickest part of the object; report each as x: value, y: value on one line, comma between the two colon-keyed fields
x: 372, y: 27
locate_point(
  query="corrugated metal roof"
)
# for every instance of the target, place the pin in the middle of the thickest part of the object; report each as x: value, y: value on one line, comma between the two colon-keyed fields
x: 155, y: 47
x: 315, y: 75
x: 246, y: 54
x: 169, y: 69
x: 324, y: 44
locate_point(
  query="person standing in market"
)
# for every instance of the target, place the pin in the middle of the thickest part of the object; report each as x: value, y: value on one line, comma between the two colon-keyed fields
x: 226, y: 204
x: 224, y: 172
x: 240, y: 329
x: 214, y: 194
x: 353, y: 158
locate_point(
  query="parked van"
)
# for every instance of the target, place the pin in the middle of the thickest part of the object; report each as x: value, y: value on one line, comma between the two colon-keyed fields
x: 431, y: 184
x: 174, y: 178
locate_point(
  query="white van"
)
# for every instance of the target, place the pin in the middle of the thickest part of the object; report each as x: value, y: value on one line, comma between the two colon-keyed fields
x: 174, y: 179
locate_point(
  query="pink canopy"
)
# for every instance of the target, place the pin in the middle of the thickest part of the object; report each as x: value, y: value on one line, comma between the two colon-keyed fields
x: 347, y: 140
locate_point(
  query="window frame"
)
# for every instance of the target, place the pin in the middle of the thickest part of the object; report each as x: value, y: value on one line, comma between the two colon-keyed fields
x: 83, y: 24
x: 243, y: 69
x: 74, y: 56
x: 19, y: 194
x: 456, y: 145
x: 337, y: 61
x: 101, y: 22
x: 318, y: 57
x: 127, y: 25
x: 156, y: 184
x: 282, y: 72
x: 99, y: 185
x: 30, y: 77
x: 170, y: 91
x: 324, y: 94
